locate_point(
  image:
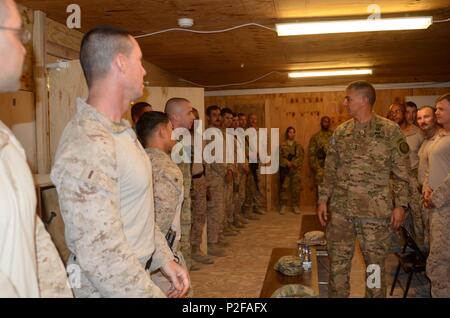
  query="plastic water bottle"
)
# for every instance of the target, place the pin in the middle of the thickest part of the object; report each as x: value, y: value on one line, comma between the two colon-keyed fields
x: 307, y: 258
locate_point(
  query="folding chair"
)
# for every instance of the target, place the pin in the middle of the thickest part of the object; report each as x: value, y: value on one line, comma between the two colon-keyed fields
x: 411, y: 261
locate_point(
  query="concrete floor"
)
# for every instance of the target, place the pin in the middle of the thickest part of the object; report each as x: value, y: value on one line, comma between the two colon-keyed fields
x: 241, y: 272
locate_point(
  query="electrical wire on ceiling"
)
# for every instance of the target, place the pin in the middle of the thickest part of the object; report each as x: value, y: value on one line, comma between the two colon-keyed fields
x: 229, y: 29
x: 440, y: 21
x: 232, y: 84
x: 226, y: 30
x: 206, y: 32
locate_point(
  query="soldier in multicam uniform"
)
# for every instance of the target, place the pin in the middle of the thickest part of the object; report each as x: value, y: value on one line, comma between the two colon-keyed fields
x: 154, y: 130
x: 436, y: 197
x: 215, y: 174
x: 318, y: 147
x: 364, y: 152
x: 180, y: 114
x: 414, y: 138
x: 291, y: 162
x: 198, y: 196
x: 104, y: 180
x: 29, y: 262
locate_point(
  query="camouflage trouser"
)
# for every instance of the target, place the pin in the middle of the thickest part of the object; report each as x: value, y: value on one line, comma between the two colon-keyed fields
x: 186, y: 224
x: 229, y: 206
x: 198, y: 209
x: 215, y: 207
x: 242, y: 189
x: 417, y: 212
x: 291, y: 184
x: 438, y: 262
x: 373, y: 235
x: 253, y: 199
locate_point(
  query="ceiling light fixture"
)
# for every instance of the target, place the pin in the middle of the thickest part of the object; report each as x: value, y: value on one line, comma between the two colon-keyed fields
x: 345, y: 26
x: 321, y: 73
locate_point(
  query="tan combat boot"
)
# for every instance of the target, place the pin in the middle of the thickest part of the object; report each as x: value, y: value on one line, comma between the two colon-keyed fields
x: 215, y: 250
x: 197, y: 256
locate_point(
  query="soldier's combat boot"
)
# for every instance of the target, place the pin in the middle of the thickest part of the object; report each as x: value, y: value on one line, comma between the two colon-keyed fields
x: 198, y: 257
x: 215, y: 250
x: 243, y: 219
x: 194, y: 267
x: 259, y: 210
x: 238, y: 224
x: 296, y: 210
x: 283, y: 210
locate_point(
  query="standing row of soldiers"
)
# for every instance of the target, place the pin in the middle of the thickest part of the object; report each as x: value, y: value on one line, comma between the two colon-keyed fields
x: 225, y: 196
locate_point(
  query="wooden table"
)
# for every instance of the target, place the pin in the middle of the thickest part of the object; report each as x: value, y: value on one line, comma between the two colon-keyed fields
x: 275, y: 280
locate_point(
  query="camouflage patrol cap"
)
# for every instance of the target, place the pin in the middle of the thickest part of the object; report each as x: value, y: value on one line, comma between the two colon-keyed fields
x: 293, y: 291
x: 289, y: 266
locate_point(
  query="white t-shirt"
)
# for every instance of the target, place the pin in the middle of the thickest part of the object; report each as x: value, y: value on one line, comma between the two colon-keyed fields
x: 18, y: 267
x: 136, y: 194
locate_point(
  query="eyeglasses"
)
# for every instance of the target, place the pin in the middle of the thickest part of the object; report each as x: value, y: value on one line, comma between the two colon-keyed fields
x: 22, y: 34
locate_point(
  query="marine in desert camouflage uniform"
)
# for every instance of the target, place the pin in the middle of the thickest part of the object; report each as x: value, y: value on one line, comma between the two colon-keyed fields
x: 104, y: 180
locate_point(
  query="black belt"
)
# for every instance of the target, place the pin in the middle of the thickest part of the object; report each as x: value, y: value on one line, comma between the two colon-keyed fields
x: 196, y: 176
x: 149, y: 262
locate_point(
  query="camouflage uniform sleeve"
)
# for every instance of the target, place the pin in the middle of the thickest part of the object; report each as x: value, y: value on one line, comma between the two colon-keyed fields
x: 330, y: 177
x: 87, y: 183
x: 165, y: 192
x: 298, y: 160
x: 52, y: 275
x: 283, y: 155
x: 440, y: 195
x: 400, y: 168
x: 312, y: 149
x: 163, y: 254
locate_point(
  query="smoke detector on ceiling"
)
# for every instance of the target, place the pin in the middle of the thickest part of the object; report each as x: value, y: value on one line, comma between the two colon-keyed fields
x: 185, y: 22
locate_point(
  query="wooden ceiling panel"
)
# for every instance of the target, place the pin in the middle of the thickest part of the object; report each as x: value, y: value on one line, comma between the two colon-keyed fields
x: 247, y: 53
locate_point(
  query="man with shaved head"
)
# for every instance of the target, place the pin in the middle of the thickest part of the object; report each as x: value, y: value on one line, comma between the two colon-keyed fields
x: 29, y: 262
x: 181, y: 115
x: 104, y: 180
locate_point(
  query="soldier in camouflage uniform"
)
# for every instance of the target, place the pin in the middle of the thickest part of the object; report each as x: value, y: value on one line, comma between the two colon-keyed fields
x: 198, y: 196
x: 244, y: 171
x: 436, y: 197
x: 318, y: 147
x: 414, y: 138
x: 364, y: 152
x: 215, y: 174
x: 180, y: 114
x: 155, y: 131
x: 104, y: 180
x: 229, y: 228
x: 29, y: 262
x: 254, y: 199
x: 238, y: 181
x: 291, y: 162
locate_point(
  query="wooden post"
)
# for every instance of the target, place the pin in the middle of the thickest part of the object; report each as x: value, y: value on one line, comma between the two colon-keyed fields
x: 42, y: 124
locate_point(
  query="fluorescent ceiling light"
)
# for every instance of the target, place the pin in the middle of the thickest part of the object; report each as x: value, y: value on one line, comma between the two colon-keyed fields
x: 330, y: 73
x: 344, y: 26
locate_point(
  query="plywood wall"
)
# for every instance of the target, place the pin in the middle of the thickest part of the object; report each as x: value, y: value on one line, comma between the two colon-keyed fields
x: 303, y: 112
x: 17, y: 112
